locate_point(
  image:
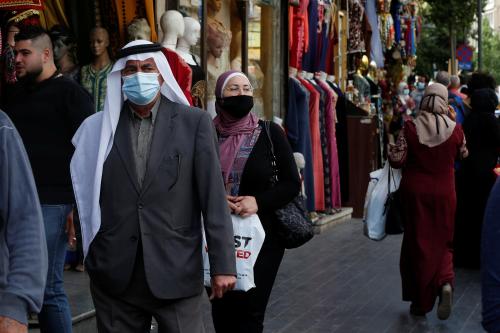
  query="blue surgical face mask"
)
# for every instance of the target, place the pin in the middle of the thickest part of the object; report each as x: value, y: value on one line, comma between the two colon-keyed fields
x: 141, y: 88
x: 421, y: 86
x: 406, y: 92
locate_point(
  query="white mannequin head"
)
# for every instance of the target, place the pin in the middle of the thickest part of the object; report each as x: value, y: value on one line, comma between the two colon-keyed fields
x: 172, y: 25
x: 190, y: 38
x: 192, y: 29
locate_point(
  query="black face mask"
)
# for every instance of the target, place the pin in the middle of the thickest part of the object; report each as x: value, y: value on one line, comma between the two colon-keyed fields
x: 237, y: 106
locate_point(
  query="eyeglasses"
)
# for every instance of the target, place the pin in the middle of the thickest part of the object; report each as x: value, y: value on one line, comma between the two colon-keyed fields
x: 234, y: 88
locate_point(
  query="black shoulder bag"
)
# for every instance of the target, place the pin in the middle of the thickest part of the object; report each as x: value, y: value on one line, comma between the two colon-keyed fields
x: 393, y: 209
x: 294, y: 228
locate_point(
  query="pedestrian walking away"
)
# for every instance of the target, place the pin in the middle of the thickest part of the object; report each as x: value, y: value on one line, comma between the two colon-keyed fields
x: 22, y: 238
x: 47, y: 109
x: 144, y: 172
x: 247, y: 170
x: 426, y: 150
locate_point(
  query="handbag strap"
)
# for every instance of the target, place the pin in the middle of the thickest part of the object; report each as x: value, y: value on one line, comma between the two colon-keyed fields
x: 274, y: 165
x: 391, y: 175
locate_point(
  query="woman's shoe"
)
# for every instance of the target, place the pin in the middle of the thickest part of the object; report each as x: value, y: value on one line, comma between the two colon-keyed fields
x: 445, y: 302
x: 80, y: 268
x: 416, y: 311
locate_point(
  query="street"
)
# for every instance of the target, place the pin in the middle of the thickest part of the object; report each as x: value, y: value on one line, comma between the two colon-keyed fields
x: 339, y: 282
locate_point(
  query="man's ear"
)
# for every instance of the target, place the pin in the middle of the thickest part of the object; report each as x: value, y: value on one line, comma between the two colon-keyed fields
x: 46, y: 55
x: 160, y: 78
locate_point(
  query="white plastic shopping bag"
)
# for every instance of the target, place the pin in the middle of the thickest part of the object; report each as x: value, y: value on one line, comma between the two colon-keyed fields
x: 378, y: 188
x: 248, y: 239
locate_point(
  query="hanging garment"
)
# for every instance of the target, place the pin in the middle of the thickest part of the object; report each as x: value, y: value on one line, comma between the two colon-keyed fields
x: 309, y: 58
x: 299, y: 133
x: 333, y: 39
x: 324, y: 144
x: 395, y: 6
x: 341, y: 137
x: 53, y: 14
x: 410, y: 36
x: 128, y: 10
x: 387, y: 33
x: 298, y: 33
x: 330, y: 120
x: 319, y: 191
x: 181, y: 71
x: 376, y: 53
x: 95, y: 82
x: 323, y: 26
x: 356, y: 42
x: 21, y: 4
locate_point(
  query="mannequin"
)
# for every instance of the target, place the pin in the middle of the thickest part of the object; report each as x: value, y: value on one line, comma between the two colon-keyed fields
x: 172, y: 25
x: 65, y: 52
x: 213, y: 9
x: 216, y: 43
x: 139, y: 29
x: 190, y: 38
x: 360, y: 83
x: 236, y: 61
x: 93, y: 76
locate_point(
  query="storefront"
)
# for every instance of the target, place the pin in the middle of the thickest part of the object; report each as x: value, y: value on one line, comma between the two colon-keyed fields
x: 235, y: 34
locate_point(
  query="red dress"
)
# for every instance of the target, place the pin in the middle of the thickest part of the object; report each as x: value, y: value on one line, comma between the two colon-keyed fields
x: 317, y: 154
x: 428, y: 194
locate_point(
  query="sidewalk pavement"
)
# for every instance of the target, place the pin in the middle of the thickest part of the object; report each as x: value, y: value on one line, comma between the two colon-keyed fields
x: 338, y: 282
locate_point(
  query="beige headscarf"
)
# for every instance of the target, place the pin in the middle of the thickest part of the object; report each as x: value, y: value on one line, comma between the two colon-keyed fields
x: 433, y: 124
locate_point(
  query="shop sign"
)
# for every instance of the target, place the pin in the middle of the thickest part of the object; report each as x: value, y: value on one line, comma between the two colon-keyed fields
x: 464, y: 56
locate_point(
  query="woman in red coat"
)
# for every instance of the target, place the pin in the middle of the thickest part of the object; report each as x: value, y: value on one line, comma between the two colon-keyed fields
x: 426, y: 150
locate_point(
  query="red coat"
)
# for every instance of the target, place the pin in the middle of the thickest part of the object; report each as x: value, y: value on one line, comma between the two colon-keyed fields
x: 181, y: 71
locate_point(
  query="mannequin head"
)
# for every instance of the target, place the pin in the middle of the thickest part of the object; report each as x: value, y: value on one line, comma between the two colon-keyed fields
x: 99, y: 41
x: 172, y: 25
x: 65, y: 48
x: 215, y: 42
x: 139, y: 29
x: 213, y: 7
x: 192, y: 30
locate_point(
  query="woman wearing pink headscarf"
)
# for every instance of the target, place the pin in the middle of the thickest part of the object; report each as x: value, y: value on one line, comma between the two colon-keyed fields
x: 245, y: 157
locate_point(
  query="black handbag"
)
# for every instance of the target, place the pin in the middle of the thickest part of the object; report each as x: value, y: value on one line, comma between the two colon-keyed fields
x: 294, y: 228
x: 393, y: 209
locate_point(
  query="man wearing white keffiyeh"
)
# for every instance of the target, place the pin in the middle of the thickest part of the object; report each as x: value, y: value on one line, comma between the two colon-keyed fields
x: 143, y: 172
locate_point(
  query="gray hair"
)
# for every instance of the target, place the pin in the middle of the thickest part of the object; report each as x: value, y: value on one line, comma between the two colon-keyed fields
x: 443, y: 78
x: 454, y: 81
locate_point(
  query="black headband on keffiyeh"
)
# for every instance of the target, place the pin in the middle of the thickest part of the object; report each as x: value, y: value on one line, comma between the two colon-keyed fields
x: 137, y: 49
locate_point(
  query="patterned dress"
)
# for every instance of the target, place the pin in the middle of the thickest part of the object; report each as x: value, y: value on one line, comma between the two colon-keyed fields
x: 95, y: 83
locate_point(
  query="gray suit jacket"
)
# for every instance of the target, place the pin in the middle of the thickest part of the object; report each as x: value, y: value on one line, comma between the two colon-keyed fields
x: 183, y: 181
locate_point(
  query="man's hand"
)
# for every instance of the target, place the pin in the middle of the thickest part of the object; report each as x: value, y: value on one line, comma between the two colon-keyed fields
x: 8, y: 325
x: 70, y: 230
x: 220, y: 284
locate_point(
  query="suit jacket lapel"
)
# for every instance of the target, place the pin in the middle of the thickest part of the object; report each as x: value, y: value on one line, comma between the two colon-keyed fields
x: 123, y: 144
x: 163, y: 132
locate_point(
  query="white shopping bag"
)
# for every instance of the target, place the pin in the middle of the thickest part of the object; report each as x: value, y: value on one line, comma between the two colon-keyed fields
x: 378, y: 188
x: 248, y: 239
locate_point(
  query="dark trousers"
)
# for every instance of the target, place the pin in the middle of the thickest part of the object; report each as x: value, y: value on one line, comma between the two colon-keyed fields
x: 243, y: 312
x: 132, y: 312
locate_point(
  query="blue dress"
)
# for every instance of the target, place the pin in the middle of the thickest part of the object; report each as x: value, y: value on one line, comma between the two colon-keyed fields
x: 299, y: 135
